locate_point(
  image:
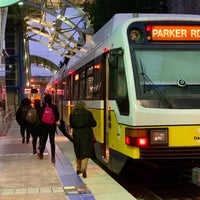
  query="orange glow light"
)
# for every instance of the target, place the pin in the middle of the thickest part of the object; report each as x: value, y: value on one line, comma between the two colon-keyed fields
x: 98, y: 66
x: 76, y: 77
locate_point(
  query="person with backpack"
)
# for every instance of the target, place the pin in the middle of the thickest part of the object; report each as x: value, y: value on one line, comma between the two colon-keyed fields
x: 32, y: 118
x: 21, y: 119
x: 48, y: 117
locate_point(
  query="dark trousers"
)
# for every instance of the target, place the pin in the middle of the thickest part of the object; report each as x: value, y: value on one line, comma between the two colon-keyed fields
x: 24, y: 128
x: 45, y: 131
x: 34, y: 133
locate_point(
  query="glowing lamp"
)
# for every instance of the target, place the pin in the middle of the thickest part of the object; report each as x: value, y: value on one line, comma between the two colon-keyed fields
x: 98, y: 66
x: 106, y: 49
x: 148, y: 28
x: 136, y: 141
x: 70, y: 72
x: 142, y: 142
x: 136, y: 137
x: 127, y: 140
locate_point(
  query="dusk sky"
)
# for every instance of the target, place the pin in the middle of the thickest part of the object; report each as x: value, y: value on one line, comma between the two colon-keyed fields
x: 43, y: 51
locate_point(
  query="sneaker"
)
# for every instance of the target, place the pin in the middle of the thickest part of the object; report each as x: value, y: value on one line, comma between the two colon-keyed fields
x: 53, y: 160
x: 78, y: 171
x: 34, y: 151
x: 40, y: 156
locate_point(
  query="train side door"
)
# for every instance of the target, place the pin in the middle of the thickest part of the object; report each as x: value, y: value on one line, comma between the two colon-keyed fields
x: 104, y: 148
x: 114, y: 89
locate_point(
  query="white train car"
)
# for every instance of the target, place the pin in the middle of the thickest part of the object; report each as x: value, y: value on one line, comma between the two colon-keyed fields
x: 139, y: 75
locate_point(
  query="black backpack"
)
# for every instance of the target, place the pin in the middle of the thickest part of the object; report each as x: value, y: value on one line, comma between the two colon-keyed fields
x: 24, y: 113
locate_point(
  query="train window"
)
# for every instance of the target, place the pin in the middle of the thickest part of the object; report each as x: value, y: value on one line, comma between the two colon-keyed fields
x: 117, y: 82
x: 90, y: 70
x: 82, y: 85
x: 68, y: 92
x: 89, y: 87
x: 97, y: 83
x: 76, y: 86
x: 87, y: 84
x: 82, y: 74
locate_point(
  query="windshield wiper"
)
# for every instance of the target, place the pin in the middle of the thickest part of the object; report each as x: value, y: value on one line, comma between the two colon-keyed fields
x: 157, y: 91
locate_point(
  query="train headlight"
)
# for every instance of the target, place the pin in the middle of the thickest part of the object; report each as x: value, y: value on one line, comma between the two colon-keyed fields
x: 159, y: 136
x: 136, y: 35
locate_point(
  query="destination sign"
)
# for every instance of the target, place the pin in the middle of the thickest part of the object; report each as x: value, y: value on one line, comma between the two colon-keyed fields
x: 173, y: 33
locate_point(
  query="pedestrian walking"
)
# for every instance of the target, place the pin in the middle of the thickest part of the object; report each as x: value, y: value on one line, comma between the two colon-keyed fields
x: 48, y: 117
x: 33, y: 118
x: 82, y: 121
x: 21, y: 119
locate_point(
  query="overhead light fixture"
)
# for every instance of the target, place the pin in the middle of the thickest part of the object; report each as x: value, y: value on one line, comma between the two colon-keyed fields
x: 58, y: 16
x: 21, y: 3
x: 50, y: 47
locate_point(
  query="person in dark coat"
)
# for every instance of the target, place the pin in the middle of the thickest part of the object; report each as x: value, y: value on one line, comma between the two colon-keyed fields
x: 20, y: 118
x: 46, y: 130
x: 34, y: 131
x: 82, y: 121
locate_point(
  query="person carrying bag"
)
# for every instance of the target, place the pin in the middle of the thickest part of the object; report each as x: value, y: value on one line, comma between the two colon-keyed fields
x: 48, y: 118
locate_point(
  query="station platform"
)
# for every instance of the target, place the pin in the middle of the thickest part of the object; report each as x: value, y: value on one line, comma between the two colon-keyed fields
x: 25, y: 177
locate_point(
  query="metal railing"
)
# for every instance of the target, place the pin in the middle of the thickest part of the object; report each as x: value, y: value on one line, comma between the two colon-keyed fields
x: 4, y: 121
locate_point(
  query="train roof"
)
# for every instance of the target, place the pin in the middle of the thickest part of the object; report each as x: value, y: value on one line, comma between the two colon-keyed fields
x: 101, y: 35
x: 116, y: 21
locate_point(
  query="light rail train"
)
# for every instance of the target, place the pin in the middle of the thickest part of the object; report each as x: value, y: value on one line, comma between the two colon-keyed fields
x: 140, y: 77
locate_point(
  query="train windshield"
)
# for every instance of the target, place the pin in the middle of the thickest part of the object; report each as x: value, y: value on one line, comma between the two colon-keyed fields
x: 167, y: 77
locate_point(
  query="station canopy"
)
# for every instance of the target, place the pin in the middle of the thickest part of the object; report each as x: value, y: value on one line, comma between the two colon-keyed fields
x: 59, y: 25
x: 5, y: 3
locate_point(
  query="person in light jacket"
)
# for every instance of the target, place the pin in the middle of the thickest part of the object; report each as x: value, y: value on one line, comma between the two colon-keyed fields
x: 82, y: 121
